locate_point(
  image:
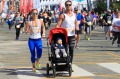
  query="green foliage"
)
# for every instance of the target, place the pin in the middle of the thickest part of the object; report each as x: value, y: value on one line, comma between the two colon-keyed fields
x: 100, y: 5
x: 115, y: 5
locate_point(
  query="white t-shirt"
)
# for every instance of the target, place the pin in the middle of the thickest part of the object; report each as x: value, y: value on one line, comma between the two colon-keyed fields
x: 116, y: 22
x: 3, y: 15
x: 12, y: 16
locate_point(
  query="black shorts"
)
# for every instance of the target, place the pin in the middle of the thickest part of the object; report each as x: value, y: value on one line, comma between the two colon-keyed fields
x: 78, y: 31
x: 22, y: 25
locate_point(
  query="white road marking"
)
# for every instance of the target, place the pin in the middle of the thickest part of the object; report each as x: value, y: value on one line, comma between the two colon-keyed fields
x: 1, y: 65
x: 28, y: 74
x: 80, y: 72
x: 115, y: 67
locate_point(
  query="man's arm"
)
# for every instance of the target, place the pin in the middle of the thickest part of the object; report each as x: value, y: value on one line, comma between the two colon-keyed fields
x: 76, y: 25
x: 60, y: 20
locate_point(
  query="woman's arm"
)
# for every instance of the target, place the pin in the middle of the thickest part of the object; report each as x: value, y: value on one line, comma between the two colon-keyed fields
x: 27, y: 27
x: 43, y: 28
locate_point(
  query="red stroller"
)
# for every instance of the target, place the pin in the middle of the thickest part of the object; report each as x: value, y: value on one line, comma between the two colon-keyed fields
x: 58, y: 64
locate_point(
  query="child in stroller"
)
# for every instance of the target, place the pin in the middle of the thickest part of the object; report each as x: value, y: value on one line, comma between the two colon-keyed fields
x: 59, y: 48
x: 58, y: 61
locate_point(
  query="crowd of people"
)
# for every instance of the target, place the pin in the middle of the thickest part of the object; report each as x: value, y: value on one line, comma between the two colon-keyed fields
x: 75, y: 22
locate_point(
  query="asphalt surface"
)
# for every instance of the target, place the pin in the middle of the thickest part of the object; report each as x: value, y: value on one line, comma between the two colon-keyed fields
x: 95, y: 59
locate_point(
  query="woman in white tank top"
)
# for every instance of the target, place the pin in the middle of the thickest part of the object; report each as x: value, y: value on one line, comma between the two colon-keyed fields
x: 33, y: 27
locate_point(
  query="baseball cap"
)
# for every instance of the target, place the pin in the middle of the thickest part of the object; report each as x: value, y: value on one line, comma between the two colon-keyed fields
x: 75, y: 9
x: 109, y: 10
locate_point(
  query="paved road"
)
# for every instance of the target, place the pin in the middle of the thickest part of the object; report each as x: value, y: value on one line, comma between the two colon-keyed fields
x: 95, y: 59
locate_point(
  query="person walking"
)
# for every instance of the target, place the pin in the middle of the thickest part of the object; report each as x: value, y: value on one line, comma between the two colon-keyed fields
x: 49, y: 17
x: 89, y: 20
x: 17, y: 21
x: 45, y: 19
x: 79, y: 17
x: 116, y: 29
x: 10, y: 21
x: 33, y: 27
x: 68, y: 21
x: 107, y: 22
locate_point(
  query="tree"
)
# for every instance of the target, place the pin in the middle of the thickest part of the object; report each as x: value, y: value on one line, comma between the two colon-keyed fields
x: 115, y: 5
x: 100, y: 5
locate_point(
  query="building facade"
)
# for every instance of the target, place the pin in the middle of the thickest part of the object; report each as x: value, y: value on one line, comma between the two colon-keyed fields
x: 53, y: 4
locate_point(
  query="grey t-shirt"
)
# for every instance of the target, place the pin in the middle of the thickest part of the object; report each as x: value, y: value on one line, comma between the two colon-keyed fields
x: 89, y: 19
x: 17, y: 19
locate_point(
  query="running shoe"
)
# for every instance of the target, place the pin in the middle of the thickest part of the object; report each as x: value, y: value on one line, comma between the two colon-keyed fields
x: 85, y: 37
x: 111, y: 38
x: 106, y: 38
x: 88, y: 38
x: 112, y: 42
x: 77, y: 46
x: 38, y: 65
x: 33, y: 69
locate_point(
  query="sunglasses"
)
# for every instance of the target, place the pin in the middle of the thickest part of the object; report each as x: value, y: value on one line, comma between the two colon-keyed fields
x: 68, y: 4
x: 76, y: 10
x: 34, y: 13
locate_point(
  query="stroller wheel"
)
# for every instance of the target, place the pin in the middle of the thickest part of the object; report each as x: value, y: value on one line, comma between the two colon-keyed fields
x: 54, y: 73
x: 70, y: 71
x: 47, y: 69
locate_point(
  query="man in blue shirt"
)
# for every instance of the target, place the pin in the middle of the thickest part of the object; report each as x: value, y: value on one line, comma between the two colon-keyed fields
x: 79, y: 17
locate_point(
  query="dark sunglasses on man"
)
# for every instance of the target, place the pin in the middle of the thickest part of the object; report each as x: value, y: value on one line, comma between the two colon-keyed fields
x: 68, y: 4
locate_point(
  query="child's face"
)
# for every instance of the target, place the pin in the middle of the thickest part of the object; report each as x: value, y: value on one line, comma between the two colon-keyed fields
x: 59, y: 41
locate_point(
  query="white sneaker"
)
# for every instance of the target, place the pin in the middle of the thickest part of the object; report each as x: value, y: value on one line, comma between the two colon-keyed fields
x: 57, y: 56
x: 64, y: 55
x: 21, y: 32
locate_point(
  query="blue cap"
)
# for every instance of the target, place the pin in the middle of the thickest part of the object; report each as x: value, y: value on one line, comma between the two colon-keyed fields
x: 59, y: 39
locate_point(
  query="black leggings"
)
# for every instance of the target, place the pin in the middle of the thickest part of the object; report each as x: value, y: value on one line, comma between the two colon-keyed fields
x: 71, y: 42
x: 116, y: 36
x: 17, y: 32
x: 49, y: 22
x: 10, y: 26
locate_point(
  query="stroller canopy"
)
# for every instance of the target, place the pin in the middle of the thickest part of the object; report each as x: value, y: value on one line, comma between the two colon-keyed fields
x: 57, y: 31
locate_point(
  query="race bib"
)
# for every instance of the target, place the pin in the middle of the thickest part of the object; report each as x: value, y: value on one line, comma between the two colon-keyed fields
x: 35, y: 30
x: 49, y: 17
x: 17, y: 26
x: 109, y: 22
x: 10, y: 19
x: 89, y: 23
x: 70, y: 30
